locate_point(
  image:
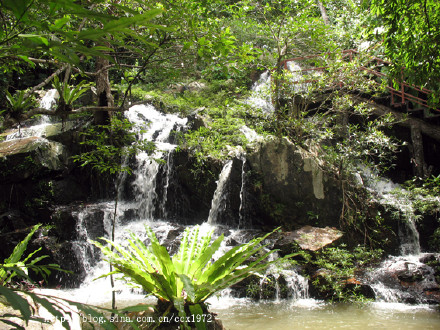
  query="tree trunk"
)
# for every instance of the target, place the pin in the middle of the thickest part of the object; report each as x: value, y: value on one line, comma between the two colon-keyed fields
x: 323, y: 12
x: 103, y: 90
x: 419, y: 165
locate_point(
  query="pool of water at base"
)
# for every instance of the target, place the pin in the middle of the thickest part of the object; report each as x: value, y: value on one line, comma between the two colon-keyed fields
x: 311, y: 314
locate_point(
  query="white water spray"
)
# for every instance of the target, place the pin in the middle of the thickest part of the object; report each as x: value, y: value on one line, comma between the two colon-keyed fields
x: 220, y: 194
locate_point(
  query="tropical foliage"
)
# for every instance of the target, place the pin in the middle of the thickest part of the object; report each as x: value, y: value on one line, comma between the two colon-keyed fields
x: 335, y: 278
x: 14, y: 272
x: 190, y: 277
x: 18, y: 267
x: 19, y: 103
x: 16, y: 293
x: 107, y: 146
x: 226, y: 45
x: 68, y: 94
x: 411, y: 30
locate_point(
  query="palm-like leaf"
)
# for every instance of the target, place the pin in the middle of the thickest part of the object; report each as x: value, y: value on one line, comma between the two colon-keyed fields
x: 68, y: 94
x: 189, y: 277
x: 19, y: 102
x: 15, y: 266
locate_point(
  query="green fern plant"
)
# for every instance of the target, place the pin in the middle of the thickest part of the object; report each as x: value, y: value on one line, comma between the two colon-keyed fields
x: 15, y: 266
x: 187, y: 279
x: 19, y: 103
x: 26, y: 304
x: 68, y: 94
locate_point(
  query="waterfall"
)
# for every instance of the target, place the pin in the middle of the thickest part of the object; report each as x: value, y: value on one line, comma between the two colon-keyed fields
x: 49, y: 99
x: 168, y: 175
x: 250, y: 134
x: 46, y: 102
x: 403, y: 279
x: 93, y: 221
x: 261, y: 91
x: 409, y: 237
x: 385, y: 190
x: 149, y: 187
x: 242, y: 222
x: 288, y: 282
x: 156, y: 127
x: 218, y: 201
x: 261, y: 94
x: 298, y: 285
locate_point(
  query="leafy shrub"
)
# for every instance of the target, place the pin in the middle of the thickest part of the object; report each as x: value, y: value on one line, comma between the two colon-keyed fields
x: 16, y: 267
x: 186, y: 280
x: 337, y: 268
x: 27, y: 303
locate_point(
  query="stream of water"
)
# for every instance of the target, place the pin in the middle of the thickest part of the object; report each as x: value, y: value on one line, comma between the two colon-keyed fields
x: 311, y: 314
x: 297, y: 312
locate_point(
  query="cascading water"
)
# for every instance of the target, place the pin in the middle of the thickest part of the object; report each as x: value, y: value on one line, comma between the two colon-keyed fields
x: 133, y: 215
x: 243, y: 221
x: 49, y: 99
x: 401, y: 278
x: 46, y: 102
x: 261, y: 94
x: 250, y: 134
x: 158, y: 128
x: 385, y: 190
x: 287, y: 282
x: 261, y: 91
x: 218, y: 201
x: 93, y: 221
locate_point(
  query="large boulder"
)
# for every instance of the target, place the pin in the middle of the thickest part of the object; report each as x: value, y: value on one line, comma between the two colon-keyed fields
x: 30, y: 157
x: 295, y: 190
x: 62, y: 132
x: 308, y: 238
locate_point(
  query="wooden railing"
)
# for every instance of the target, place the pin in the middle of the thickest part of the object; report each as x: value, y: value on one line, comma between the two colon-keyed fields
x: 404, y: 94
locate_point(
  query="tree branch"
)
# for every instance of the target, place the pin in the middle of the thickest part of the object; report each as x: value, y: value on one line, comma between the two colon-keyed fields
x: 430, y: 130
x: 46, y: 81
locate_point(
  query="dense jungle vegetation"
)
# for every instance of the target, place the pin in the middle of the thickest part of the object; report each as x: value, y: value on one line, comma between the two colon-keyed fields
x: 201, y: 58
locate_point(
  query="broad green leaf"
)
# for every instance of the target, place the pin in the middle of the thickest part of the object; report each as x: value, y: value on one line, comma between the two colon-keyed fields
x: 124, y: 22
x: 35, y: 38
x: 27, y: 60
x: 205, y: 257
x: 59, y: 23
x: 21, y: 247
x: 18, y: 7
x: 17, y: 302
x: 188, y: 286
x: 197, y: 310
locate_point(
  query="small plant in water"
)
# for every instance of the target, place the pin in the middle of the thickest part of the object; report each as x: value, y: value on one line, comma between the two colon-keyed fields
x: 184, y: 282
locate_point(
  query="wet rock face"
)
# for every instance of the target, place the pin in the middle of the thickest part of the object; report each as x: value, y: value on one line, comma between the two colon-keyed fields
x: 408, y: 279
x: 190, y: 188
x: 33, y: 156
x: 294, y: 181
x: 13, y: 228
